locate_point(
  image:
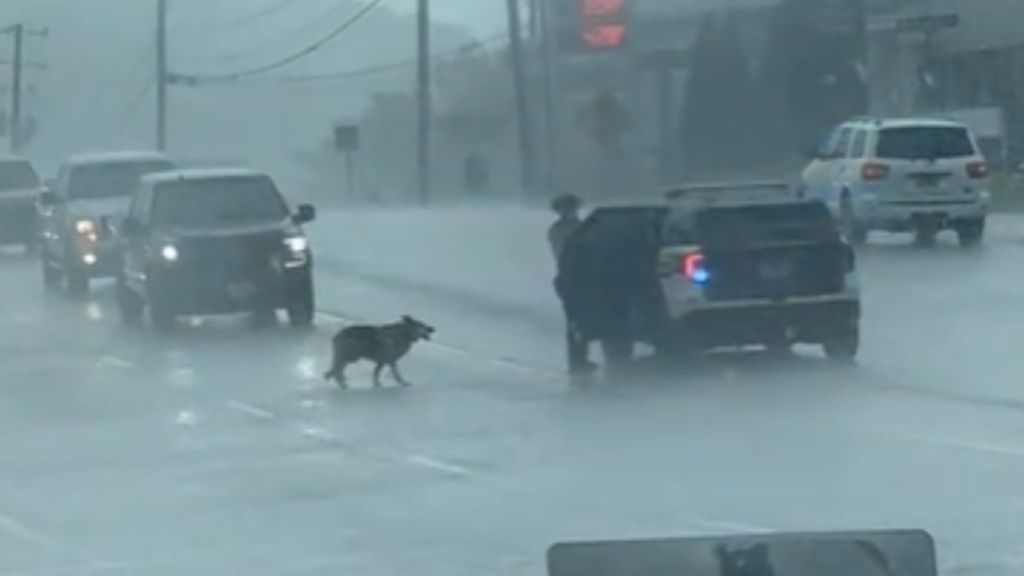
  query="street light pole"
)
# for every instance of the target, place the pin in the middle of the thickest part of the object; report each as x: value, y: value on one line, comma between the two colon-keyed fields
x: 527, y: 158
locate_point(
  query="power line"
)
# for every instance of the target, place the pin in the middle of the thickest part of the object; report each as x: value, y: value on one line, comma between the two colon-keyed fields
x: 241, y: 53
x: 282, y: 62
x: 392, y: 66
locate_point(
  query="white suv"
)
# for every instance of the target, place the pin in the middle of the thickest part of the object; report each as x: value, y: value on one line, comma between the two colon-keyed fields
x: 915, y: 175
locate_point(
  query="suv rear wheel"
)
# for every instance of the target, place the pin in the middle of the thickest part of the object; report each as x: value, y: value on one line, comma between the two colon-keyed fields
x: 925, y: 231
x: 843, y: 345
x: 970, y: 232
x: 854, y: 231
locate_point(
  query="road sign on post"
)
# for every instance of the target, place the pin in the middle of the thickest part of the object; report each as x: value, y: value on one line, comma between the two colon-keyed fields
x: 346, y: 141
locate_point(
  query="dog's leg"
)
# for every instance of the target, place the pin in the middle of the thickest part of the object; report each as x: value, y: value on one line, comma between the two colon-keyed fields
x: 398, y: 375
x: 339, y: 377
x: 376, y: 375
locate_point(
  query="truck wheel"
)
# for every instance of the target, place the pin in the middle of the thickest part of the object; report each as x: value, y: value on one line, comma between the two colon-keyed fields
x: 161, y: 315
x: 843, y: 346
x: 130, y: 306
x: 970, y: 232
x: 51, y: 277
x: 301, y: 312
x: 76, y: 284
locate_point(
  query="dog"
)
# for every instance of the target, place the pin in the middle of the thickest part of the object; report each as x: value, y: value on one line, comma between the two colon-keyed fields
x: 383, y: 345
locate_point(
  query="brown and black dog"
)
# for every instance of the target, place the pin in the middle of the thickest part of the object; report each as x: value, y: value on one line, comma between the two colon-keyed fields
x: 383, y: 345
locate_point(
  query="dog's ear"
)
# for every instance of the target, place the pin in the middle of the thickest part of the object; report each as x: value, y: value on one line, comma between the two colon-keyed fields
x: 408, y: 319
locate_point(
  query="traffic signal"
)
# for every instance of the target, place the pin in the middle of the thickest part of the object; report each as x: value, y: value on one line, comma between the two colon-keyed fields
x: 589, y: 26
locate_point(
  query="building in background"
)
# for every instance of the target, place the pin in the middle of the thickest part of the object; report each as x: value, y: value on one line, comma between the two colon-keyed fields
x: 958, y: 58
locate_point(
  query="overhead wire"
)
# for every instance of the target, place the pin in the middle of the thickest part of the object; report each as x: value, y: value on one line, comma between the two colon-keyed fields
x: 391, y: 66
x: 291, y: 58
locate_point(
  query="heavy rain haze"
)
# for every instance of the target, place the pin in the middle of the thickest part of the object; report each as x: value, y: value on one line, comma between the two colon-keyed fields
x: 317, y: 287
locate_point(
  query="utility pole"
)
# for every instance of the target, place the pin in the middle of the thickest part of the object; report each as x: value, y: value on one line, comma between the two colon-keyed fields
x: 423, y: 99
x: 161, y: 75
x: 18, y: 31
x: 18, y: 64
x: 547, y: 56
x: 527, y: 159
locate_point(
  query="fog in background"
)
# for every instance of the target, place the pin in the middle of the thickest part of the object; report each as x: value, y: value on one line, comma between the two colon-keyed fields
x: 99, y: 90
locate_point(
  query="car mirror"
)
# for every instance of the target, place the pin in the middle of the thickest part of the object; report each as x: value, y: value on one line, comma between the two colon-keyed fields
x: 304, y: 214
x: 48, y: 197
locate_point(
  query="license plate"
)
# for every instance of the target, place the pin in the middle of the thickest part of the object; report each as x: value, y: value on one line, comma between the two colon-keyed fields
x: 240, y: 290
x: 775, y: 268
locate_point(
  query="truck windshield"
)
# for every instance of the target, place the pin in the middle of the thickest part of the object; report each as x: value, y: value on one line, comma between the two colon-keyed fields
x: 111, y: 180
x: 15, y: 176
x: 218, y: 201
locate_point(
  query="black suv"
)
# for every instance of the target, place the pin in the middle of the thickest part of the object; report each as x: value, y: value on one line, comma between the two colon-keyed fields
x: 214, y: 241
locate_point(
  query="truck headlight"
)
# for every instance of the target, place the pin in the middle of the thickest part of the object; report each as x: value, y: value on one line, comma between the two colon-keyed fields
x: 169, y: 253
x: 297, y: 244
x: 297, y: 251
x: 85, y: 226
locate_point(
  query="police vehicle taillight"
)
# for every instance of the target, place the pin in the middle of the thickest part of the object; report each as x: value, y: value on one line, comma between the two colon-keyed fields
x: 693, y: 268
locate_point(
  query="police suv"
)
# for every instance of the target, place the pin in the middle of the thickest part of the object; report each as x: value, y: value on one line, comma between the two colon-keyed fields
x: 755, y: 264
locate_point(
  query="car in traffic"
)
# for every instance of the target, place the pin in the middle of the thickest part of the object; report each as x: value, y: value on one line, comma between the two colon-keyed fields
x: 902, y: 175
x: 20, y: 189
x: 767, y: 268
x: 81, y: 212
x: 717, y: 266
x: 214, y: 241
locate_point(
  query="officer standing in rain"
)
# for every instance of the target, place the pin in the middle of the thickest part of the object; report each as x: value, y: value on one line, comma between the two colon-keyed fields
x: 567, y: 281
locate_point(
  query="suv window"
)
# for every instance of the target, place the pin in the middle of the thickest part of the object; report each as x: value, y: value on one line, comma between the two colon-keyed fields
x: 218, y: 202
x: 17, y: 176
x: 111, y: 180
x: 842, y: 143
x: 924, y: 143
x: 859, y: 147
x: 752, y: 225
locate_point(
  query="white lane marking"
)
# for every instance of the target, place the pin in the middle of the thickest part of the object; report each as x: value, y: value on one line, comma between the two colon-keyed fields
x: 437, y: 464
x: 22, y: 532
x: 250, y: 410
x: 981, y: 447
x: 115, y: 362
x: 318, y: 433
x: 186, y: 418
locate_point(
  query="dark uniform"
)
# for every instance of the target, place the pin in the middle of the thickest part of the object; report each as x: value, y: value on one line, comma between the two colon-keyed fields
x: 572, y: 258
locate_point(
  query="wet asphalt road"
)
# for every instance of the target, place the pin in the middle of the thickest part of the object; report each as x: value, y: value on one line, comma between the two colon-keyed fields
x: 218, y: 450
